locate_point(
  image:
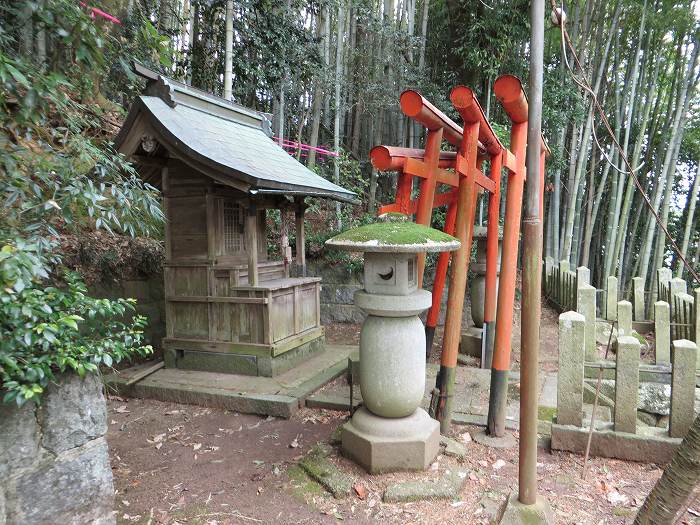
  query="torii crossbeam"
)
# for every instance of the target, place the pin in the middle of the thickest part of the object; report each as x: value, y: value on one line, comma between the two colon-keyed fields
x: 461, y: 172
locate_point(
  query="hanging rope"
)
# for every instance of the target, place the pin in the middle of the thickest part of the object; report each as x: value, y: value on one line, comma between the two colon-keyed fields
x: 559, y: 19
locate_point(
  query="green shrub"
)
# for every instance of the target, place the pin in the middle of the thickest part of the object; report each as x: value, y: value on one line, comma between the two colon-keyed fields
x: 47, y: 329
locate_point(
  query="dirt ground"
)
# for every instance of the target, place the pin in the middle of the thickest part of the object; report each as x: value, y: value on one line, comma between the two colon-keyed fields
x: 192, y: 465
x: 184, y: 464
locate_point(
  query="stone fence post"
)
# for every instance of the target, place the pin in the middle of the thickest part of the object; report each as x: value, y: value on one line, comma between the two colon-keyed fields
x: 638, y: 298
x: 662, y: 332
x: 663, y: 277
x: 585, y: 305
x: 563, y: 270
x: 611, y: 298
x: 624, y: 318
x: 682, y: 387
x: 626, y: 384
x: 583, y: 276
x: 570, y: 378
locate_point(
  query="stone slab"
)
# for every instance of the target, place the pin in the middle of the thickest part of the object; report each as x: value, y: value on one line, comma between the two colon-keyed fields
x: 278, y: 396
x: 647, y: 445
x: 453, y: 448
x: 515, y: 513
x: 321, y: 469
x: 447, y: 487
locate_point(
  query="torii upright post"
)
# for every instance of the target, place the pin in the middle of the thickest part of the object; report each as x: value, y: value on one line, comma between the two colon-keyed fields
x: 477, y: 132
x: 510, y: 93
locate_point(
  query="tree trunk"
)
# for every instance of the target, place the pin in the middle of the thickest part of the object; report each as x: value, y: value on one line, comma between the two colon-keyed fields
x: 676, y: 484
x: 668, y: 169
x: 687, y: 230
x: 338, y: 105
x: 317, y: 98
x: 228, y: 52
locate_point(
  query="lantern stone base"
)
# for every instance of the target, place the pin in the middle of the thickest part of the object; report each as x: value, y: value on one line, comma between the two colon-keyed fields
x: 470, y: 343
x: 380, y: 444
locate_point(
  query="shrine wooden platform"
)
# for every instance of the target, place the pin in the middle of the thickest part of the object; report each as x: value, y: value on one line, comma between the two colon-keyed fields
x: 279, y: 396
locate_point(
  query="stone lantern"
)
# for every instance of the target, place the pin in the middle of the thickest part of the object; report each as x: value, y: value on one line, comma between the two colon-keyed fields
x: 472, y: 336
x: 390, y: 432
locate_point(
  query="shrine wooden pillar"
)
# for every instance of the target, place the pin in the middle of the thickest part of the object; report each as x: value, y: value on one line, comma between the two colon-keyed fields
x: 299, y: 211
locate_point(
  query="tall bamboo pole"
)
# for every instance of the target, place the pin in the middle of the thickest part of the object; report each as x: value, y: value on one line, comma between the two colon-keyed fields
x: 532, y: 268
x: 228, y: 52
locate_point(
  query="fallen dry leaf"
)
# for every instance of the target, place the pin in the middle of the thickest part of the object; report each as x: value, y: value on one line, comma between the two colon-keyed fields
x: 196, y: 446
x: 360, y: 490
x: 122, y: 410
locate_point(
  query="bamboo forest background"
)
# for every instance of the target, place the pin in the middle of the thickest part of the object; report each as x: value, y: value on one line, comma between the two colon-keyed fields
x: 330, y: 73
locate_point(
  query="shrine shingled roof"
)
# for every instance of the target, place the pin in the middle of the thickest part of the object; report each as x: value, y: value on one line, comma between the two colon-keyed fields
x: 224, y: 140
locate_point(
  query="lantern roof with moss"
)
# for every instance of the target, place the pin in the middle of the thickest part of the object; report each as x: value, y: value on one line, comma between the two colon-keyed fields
x: 394, y: 234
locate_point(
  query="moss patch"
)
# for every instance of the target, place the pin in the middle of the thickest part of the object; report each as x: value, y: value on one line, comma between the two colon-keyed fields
x: 392, y: 233
x: 302, y: 486
x: 546, y: 413
x: 321, y: 469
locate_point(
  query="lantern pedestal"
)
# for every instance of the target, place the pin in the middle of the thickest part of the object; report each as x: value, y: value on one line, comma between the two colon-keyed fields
x: 380, y: 444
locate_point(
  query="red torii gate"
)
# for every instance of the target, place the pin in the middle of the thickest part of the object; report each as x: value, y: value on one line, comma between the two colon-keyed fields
x: 462, y: 172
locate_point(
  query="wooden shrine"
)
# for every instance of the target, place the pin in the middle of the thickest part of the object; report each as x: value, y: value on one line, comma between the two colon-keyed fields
x: 229, y: 307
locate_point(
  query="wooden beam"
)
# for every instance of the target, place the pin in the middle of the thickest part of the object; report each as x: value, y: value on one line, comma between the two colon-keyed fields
x: 251, y: 235
x: 300, y: 235
x: 165, y: 185
x: 216, y: 299
x: 211, y: 224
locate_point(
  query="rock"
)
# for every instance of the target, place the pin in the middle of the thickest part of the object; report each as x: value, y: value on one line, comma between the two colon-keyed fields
x: 646, y: 418
x: 453, y: 448
x: 602, y: 333
x: 447, y: 487
x: 74, y: 488
x: 72, y: 412
x: 655, y: 398
x: 19, y: 437
x: 3, y: 514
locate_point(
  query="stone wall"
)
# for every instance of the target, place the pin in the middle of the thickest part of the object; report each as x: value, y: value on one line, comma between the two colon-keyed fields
x: 150, y: 296
x: 54, y: 463
x: 337, y: 289
x: 340, y: 284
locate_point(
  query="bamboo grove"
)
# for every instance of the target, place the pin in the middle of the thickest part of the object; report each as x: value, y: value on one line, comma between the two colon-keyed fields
x: 329, y: 73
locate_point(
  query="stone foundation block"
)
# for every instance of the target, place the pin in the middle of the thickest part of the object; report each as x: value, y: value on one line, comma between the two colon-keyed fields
x: 470, y: 342
x: 391, y: 444
x: 648, y: 445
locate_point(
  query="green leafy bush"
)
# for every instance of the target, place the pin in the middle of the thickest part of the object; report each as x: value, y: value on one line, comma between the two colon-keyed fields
x: 59, y: 174
x: 46, y: 329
